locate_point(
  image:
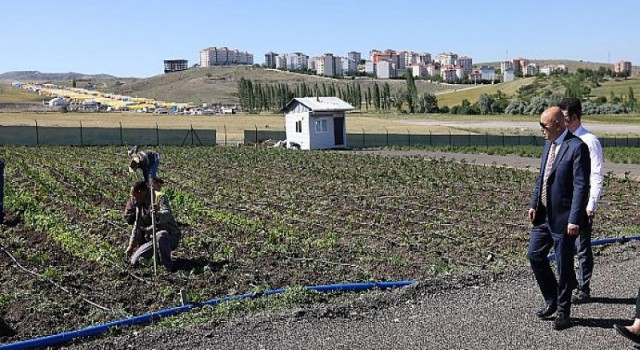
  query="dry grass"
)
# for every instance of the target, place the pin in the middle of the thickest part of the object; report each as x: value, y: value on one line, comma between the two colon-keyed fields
x: 220, y: 84
x: 9, y: 94
x: 472, y: 94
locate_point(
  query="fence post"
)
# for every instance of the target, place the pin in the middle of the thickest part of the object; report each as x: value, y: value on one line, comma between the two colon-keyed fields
x: 450, y: 142
x: 364, y: 143
x: 191, y: 126
x: 387, y: 131
x: 1, y: 190
x: 486, y: 139
x: 502, y: 139
x: 469, y: 140
x: 256, y: 134
x: 81, y: 138
x: 121, y: 138
x: 225, y: 134
x: 157, y: 136
x: 37, y: 134
x: 430, y: 137
x: 409, y: 137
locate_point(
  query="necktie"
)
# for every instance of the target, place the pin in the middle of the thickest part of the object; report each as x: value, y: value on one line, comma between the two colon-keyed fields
x: 547, y: 171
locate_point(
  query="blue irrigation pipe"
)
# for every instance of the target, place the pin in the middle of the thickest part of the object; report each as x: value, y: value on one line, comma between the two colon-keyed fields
x: 602, y: 241
x: 56, y: 339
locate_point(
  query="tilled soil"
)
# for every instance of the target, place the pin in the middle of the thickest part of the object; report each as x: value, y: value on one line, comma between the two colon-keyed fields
x: 486, y: 310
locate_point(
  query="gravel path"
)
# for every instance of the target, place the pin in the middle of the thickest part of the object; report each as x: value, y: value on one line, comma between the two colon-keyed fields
x: 483, y: 311
x: 480, y: 311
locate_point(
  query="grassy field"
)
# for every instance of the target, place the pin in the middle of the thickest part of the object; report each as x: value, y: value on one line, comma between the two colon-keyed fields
x: 13, y: 95
x: 473, y: 93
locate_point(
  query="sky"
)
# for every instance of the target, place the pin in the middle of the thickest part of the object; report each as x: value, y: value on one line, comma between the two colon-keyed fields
x: 132, y: 38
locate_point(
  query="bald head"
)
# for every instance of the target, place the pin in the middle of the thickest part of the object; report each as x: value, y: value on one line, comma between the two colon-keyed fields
x: 552, y: 123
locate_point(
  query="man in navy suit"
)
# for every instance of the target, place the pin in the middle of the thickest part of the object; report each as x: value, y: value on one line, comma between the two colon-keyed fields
x: 557, y: 211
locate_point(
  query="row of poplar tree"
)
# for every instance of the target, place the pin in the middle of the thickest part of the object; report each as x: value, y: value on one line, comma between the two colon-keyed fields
x: 256, y: 97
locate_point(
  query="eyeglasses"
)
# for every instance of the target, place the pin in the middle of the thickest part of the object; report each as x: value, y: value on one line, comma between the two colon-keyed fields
x: 543, y: 125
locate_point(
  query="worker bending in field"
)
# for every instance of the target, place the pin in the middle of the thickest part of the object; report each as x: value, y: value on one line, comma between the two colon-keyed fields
x: 167, y: 232
x: 147, y: 161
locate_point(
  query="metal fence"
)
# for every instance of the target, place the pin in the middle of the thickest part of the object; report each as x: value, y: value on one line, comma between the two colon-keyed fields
x: 364, y: 140
x: 1, y: 190
x: 92, y: 136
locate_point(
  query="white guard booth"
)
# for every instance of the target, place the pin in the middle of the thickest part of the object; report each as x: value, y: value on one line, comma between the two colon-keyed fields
x: 316, y: 123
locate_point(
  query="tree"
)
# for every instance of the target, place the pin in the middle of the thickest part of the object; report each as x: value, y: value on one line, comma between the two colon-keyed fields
x: 386, y: 96
x: 485, y: 104
x: 376, y: 97
x: 412, y: 92
x: 428, y: 103
x: 631, y: 102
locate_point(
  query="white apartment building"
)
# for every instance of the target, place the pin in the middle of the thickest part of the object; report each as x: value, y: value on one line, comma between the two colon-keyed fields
x: 419, y: 70
x: 508, y: 75
x: 221, y: 56
x: 431, y: 70
x: 487, y: 73
x: 410, y: 58
x: 449, y: 73
x: 447, y: 59
x: 531, y: 69
x: 281, y: 62
x: 297, y: 61
x: 329, y: 65
x: 546, y: 69
x: 504, y: 65
x: 370, y: 67
x: 385, y: 70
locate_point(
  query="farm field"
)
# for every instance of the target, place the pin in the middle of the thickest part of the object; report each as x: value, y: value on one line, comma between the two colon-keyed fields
x: 254, y: 219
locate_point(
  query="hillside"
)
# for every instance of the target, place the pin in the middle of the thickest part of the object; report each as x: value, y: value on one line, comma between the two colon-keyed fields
x: 53, y: 77
x: 220, y: 84
x: 473, y: 93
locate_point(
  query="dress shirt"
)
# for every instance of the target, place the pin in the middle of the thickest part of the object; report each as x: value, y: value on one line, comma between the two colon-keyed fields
x: 596, y: 179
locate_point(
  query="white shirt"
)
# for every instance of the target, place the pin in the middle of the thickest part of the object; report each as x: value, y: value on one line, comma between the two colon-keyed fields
x: 596, y: 178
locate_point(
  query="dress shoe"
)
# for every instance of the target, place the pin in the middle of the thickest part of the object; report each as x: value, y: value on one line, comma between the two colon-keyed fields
x: 623, y: 331
x: 547, y: 311
x: 562, y: 321
x: 580, y: 298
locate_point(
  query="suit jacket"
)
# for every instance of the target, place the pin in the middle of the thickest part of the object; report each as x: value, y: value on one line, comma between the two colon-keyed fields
x: 567, y: 186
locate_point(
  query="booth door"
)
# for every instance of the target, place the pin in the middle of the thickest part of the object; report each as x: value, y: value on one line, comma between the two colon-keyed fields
x: 338, y: 130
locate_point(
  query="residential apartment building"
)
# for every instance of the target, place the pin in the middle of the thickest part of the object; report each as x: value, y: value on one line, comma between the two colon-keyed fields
x: 466, y: 63
x: 270, y: 59
x: 222, y: 56
x: 504, y: 65
x: 451, y: 73
x: 385, y: 69
x: 425, y: 57
x: 431, y: 69
x: 370, y: 68
x: 531, y: 69
x: 297, y: 61
x: 622, y: 67
x: 353, y: 59
x: 446, y: 59
x: 410, y: 58
x: 419, y: 70
x: 475, y: 76
x: 281, y: 62
x: 519, y: 64
x: 329, y: 65
x: 508, y: 75
x: 487, y: 73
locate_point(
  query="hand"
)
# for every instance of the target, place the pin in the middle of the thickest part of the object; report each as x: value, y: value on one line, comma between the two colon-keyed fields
x: 573, y: 230
x: 130, y: 250
x: 532, y: 214
x: 591, y: 214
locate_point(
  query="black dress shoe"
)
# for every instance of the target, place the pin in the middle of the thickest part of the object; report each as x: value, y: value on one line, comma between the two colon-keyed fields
x: 547, y: 311
x: 580, y: 298
x: 562, y: 321
x: 623, y: 331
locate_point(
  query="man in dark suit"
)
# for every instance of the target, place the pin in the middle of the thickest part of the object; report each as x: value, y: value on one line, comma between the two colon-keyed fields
x: 557, y: 211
